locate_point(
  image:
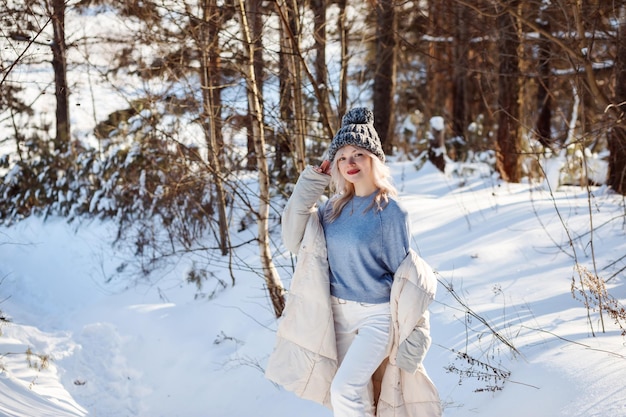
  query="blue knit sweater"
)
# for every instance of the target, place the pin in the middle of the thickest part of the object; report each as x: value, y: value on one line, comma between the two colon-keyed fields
x: 365, y: 248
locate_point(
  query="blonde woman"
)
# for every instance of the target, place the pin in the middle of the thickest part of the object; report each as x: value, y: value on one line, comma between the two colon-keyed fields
x: 355, y: 329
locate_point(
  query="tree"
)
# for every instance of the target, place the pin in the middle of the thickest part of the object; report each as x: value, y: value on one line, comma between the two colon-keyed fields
x: 30, y: 19
x: 272, y: 278
x: 460, y: 75
x: 543, y: 125
x: 343, y: 70
x: 617, y: 136
x: 41, y: 160
x: 508, y: 136
x: 436, y: 58
x: 207, y: 39
x: 318, y: 7
x: 385, y: 74
x: 255, y: 11
x: 59, y: 63
x: 291, y: 137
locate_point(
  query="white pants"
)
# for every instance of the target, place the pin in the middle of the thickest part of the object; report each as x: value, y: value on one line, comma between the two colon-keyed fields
x: 362, y: 333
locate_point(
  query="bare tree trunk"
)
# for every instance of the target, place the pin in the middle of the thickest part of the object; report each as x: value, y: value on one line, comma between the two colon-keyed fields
x: 343, y: 71
x: 385, y: 76
x: 318, y: 7
x: 291, y: 138
x: 59, y: 64
x: 436, y: 74
x: 272, y: 279
x: 460, y: 78
x: 211, y: 110
x: 256, y: 28
x: 285, y: 83
x: 508, y: 134
x: 544, y: 99
x: 617, y: 136
x: 296, y: 72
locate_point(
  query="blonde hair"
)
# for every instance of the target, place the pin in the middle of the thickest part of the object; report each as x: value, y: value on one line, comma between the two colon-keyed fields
x: 344, y: 190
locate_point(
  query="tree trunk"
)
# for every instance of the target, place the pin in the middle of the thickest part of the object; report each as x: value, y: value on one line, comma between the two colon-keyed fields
x: 285, y: 86
x: 290, y: 81
x: 617, y: 136
x: 435, y: 57
x: 318, y: 7
x: 59, y: 64
x: 296, y: 73
x: 544, y: 99
x: 256, y: 28
x: 508, y: 133
x: 385, y: 76
x: 272, y: 279
x: 460, y: 79
x: 343, y: 70
x: 210, y: 73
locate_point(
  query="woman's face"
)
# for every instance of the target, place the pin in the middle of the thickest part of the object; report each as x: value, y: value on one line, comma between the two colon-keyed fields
x: 355, y: 165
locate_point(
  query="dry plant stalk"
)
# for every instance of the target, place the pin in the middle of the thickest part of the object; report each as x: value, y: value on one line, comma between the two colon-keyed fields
x: 595, y: 296
x: 470, y: 367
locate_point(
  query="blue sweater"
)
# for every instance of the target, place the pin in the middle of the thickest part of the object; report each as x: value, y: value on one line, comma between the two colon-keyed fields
x: 365, y: 249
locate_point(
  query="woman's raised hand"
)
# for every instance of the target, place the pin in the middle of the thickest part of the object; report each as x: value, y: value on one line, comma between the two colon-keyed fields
x: 324, y: 167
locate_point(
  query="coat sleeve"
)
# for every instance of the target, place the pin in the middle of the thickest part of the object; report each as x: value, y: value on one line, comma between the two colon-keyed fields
x: 413, y: 290
x: 301, y: 204
x: 413, y: 349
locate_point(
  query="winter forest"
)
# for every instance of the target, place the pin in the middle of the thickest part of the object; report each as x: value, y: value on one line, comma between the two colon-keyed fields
x: 185, y: 122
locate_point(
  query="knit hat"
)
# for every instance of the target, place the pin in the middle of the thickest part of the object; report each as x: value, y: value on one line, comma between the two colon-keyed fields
x: 357, y: 129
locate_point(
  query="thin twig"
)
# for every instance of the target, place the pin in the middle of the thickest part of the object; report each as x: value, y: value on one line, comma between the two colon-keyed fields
x: 478, y: 317
x: 618, y: 355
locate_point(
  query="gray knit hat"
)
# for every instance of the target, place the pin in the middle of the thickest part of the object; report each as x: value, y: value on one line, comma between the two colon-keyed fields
x: 357, y: 129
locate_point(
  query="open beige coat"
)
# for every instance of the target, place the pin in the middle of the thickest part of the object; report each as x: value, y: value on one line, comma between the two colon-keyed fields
x: 304, y: 359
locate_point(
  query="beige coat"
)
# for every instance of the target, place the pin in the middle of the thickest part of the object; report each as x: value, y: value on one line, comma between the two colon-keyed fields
x: 304, y: 359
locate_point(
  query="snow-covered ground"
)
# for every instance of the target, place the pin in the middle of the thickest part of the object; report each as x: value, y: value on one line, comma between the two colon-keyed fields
x: 108, y: 344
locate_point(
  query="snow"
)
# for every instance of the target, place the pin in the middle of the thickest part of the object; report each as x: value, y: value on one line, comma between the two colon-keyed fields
x: 122, y: 345
x: 437, y: 123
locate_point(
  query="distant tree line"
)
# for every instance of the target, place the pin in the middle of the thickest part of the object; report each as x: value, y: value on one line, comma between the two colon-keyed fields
x: 184, y: 97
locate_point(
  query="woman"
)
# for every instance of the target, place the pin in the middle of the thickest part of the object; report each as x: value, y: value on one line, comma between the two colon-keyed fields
x: 355, y: 328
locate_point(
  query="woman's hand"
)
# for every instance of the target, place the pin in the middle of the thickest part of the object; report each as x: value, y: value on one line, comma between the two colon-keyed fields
x: 324, y: 167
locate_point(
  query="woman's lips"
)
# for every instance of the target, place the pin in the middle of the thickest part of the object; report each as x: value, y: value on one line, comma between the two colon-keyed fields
x: 353, y: 171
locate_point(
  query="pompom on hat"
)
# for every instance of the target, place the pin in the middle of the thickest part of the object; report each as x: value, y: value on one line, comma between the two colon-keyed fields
x: 357, y: 129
